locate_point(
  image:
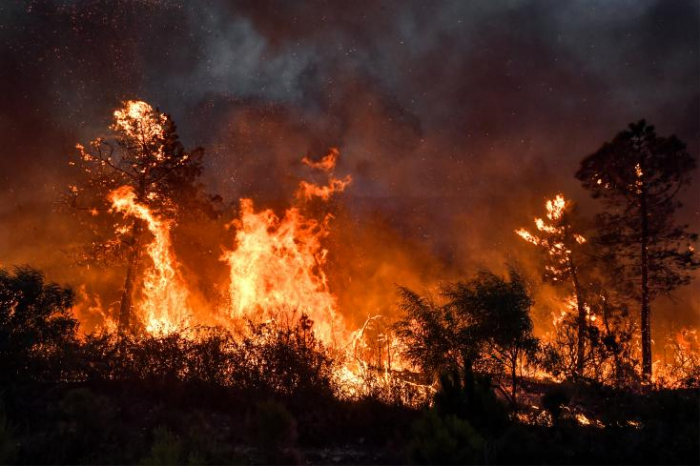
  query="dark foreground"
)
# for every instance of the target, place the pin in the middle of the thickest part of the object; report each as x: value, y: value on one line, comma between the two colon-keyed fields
x: 169, y: 422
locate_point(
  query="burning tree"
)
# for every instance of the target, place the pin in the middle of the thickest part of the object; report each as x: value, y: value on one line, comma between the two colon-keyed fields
x: 145, y: 155
x: 563, y: 259
x: 637, y: 176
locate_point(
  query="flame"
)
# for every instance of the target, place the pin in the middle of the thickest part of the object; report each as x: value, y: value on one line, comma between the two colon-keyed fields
x: 638, y: 182
x: 327, y: 163
x: 307, y: 191
x: 164, y: 305
x: 276, y: 268
x: 90, y: 312
x: 556, y: 239
x: 139, y: 121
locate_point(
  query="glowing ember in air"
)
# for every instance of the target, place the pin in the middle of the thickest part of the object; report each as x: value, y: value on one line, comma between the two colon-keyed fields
x: 164, y: 303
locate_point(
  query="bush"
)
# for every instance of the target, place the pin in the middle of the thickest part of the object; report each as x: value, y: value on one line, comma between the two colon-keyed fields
x: 276, y: 433
x: 8, y: 444
x: 554, y: 399
x: 165, y: 450
x: 445, y: 440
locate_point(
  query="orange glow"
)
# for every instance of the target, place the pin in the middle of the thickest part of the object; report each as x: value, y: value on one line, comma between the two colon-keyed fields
x: 277, y: 270
x: 164, y: 304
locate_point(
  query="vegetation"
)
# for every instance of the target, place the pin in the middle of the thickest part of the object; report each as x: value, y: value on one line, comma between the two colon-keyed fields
x: 271, y: 393
x: 637, y: 176
x: 269, y: 398
x: 484, y: 323
x: 145, y: 154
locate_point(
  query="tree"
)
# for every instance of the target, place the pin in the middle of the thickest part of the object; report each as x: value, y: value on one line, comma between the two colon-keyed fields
x: 500, y: 312
x: 146, y: 154
x: 638, y: 176
x: 35, y: 325
x: 484, y: 321
x: 564, y: 256
x: 435, y: 338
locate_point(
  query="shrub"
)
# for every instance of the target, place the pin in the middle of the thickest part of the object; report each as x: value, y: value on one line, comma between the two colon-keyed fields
x: 444, y: 440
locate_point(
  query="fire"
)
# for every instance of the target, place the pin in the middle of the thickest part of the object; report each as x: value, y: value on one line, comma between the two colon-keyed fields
x: 277, y: 273
x: 277, y: 264
x: 308, y: 191
x: 93, y: 317
x: 164, y: 305
x: 277, y: 270
x: 327, y: 163
x: 141, y: 122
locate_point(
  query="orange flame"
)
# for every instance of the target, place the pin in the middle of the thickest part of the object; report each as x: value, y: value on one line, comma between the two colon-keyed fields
x: 164, y: 304
x: 277, y: 267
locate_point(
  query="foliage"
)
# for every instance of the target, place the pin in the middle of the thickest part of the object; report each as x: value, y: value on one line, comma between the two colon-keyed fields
x: 470, y: 397
x: 176, y: 400
x: 637, y: 176
x: 35, y: 325
x: 444, y: 440
x: 485, y: 321
x: 433, y: 334
x: 500, y: 312
x: 165, y: 450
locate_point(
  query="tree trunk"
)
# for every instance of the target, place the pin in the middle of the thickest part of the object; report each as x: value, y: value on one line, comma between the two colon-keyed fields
x: 128, y: 289
x: 581, y: 319
x: 646, y: 307
x: 514, y: 379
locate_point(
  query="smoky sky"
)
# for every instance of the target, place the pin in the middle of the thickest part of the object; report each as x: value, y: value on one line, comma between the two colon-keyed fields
x: 455, y: 119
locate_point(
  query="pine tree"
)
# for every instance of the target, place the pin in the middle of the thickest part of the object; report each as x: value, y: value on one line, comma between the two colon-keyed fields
x: 146, y: 154
x: 638, y: 176
x: 563, y: 246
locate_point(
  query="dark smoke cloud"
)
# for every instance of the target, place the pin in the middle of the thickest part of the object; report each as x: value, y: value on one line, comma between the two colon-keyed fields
x: 455, y: 119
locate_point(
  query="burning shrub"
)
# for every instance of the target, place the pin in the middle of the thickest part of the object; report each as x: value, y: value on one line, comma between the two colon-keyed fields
x: 283, y: 359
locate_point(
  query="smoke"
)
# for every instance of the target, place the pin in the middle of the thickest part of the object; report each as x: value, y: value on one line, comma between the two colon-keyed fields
x: 455, y: 119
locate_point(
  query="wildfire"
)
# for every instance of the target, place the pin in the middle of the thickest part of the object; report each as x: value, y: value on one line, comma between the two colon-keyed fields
x: 277, y: 269
x: 277, y: 265
x: 141, y: 122
x: 164, y: 305
x: 277, y: 273
x: 308, y: 191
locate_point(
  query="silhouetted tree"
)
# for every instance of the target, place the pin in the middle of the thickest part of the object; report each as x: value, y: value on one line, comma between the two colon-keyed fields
x: 146, y: 154
x: 484, y: 321
x: 35, y: 325
x: 563, y: 245
x: 499, y: 313
x: 637, y: 175
x: 435, y: 338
